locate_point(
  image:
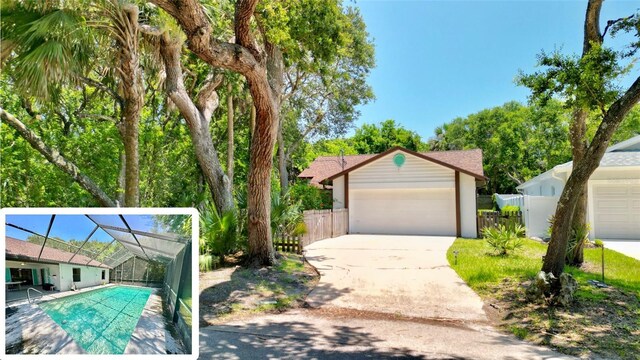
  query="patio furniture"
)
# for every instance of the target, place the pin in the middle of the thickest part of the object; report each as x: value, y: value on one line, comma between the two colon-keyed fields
x: 47, y: 287
x: 13, y: 285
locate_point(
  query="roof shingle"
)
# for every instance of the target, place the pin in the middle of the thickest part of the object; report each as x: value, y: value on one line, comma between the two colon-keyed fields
x: 25, y: 250
x: 325, y: 167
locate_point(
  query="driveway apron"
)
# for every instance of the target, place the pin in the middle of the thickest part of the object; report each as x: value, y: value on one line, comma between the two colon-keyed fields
x: 404, y: 275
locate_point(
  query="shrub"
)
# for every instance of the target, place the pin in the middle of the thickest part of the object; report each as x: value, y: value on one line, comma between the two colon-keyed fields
x: 577, y: 240
x: 510, y: 209
x: 208, y: 262
x: 285, y: 214
x: 310, y: 197
x: 598, y: 243
x: 218, y: 233
x: 504, y: 239
x: 299, y: 229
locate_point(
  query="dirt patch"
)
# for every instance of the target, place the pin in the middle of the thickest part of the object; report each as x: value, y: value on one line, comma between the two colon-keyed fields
x: 348, y: 314
x: 237, y: 292
x: 601, y: 324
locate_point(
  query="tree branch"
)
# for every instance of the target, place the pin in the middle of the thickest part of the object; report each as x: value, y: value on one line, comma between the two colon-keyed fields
x: 307, y: 131
x: 54, y: 157
x: 208, y: 100
x: 101, y: 86
x: 98, y: 117
x: 194, y: 22
x: 610, y: 23
x: 244, y: 36
x: 514, y: 178
x: 592, y: 25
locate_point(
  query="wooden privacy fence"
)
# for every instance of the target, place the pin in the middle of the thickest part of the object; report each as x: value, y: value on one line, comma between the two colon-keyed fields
x: 320, y: 224
x: 494, y: 218
x: 325, y: 224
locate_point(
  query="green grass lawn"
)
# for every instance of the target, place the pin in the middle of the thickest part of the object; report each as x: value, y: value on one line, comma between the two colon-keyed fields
x: 604, y: 322
x: 482, y: 270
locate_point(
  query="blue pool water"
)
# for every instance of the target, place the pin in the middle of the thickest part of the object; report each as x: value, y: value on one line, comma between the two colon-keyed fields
x: 100, y: 321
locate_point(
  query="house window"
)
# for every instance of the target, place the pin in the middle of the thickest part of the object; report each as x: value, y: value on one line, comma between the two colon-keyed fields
x: 103, y: 274
x: 76, y: 274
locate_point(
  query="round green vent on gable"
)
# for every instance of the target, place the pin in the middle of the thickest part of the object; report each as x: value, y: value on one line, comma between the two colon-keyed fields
x: 399, y: 159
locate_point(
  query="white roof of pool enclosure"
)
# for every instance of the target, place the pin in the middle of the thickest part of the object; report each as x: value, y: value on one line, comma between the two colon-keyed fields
x: 105, y: 239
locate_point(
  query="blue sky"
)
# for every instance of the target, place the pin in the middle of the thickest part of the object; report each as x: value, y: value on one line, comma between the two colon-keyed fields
x: 78, y: 227
x: 438, y: 60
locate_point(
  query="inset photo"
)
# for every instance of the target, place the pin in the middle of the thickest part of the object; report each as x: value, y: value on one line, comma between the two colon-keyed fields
x: 100, y: 281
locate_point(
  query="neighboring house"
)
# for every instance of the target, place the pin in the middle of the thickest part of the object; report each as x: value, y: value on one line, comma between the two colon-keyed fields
x: 30, y: 264
x: 613, y: 192
x: 404, y: 192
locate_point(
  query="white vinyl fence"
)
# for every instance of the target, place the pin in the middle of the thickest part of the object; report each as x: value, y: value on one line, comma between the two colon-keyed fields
x: 536, y: 210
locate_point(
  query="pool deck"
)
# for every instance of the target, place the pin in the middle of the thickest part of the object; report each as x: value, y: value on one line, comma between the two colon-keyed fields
x: 149, y: 334
x: 40, y: 334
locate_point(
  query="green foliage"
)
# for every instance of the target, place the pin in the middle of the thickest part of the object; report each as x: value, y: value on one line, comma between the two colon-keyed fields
x: 578, y: 238
x: 310, y: 197
x: 518, y: 142
x: 219, y: 233
x: 510, y: 209
x: 519, y: 332
x: 482, y: 271
x: 371, y: 139
x: 504, y: 239
x: 299, y: 229
x: 48, y: 50
x: 586, y: 82
x: 208, y: 262
x: 598, y: 243
x: 286, y: 214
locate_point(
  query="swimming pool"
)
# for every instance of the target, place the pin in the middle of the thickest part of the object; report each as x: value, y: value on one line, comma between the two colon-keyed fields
x: 100, y: 321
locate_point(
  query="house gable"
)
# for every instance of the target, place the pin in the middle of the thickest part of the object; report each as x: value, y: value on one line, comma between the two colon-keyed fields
x: 474, y: 161
x: 408, y: 172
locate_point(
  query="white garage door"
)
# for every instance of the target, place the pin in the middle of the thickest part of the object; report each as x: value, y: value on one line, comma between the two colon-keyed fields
x: 617, y: 211
x: 402, y: 212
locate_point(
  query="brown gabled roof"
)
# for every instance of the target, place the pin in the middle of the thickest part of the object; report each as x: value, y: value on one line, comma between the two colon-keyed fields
x: 329, y: 167
x: 24, y: 250
x: 324, y: 167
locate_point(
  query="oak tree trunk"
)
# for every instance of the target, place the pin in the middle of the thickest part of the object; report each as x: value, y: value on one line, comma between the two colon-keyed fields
x: 555, y: 258
x: 266, y: 102
x: 578, y: 137
x: 230, y: 134
x: 282, y: 163
x: 55, y: 158
x: 197, y: 118
x: 263, y: 72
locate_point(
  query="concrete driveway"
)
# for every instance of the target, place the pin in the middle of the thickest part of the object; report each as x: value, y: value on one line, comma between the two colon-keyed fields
x: 379, y: 297
x: 630, y: 248
x: 404, y: 275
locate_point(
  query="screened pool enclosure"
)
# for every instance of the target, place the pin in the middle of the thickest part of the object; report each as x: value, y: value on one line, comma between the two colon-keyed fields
x: 62, y: 252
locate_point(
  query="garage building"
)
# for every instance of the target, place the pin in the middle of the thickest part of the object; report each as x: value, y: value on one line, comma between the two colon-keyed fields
x: 403, y: 192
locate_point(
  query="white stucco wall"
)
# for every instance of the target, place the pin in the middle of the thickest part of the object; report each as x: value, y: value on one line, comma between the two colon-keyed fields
x: 468, y: 206
x: 89, y: 276
x: 54, y: 270
x: 338, y: 193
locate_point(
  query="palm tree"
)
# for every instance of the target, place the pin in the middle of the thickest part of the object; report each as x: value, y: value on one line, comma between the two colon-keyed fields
x: 49, y: 45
